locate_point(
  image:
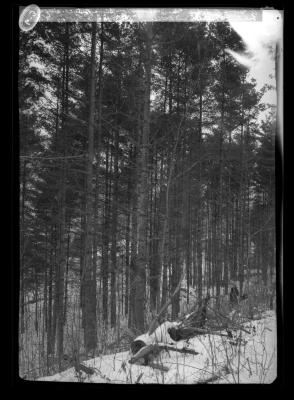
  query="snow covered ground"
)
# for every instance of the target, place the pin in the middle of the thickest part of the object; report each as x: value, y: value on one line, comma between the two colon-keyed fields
x: 250, y: 359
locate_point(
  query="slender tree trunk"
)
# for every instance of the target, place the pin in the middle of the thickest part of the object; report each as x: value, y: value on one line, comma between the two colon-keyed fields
x: 98, y: 150
x: 66, y: 273
x: 127, y: 256
x: 199, y: 205
x: 187, y: 241
x: 163, y: 244
x: 105, y: 244
x: 22, y: 238
x: 113, y: 274
x: 61, y: 204
x: 134, y: 242
x: 36, y: 304
x: 55, y: 295
x: 82, y: 251
x: 113, y: 277
x: 50, y: 299
x: 90, y: 331
x: 154, y: 244
x: 228, y: 234
x: 45, y: 306
x: 176, y: 264
x: 143, y: 186
x: 241, y: 195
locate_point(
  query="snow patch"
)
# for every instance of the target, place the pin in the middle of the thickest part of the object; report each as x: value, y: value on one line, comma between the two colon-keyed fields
x: 220, y: 360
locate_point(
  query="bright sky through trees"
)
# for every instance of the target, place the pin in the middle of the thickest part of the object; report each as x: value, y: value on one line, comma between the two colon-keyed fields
x: 260, y: 38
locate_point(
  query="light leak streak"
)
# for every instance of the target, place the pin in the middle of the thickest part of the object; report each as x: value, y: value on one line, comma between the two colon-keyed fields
x: 260, y: 38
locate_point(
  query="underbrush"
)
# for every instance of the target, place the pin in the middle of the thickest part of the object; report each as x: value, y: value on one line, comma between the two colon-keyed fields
x: 221, y: 314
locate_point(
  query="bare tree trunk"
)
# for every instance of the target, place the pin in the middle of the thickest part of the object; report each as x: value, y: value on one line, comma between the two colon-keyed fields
x: 36, y: 304
x: 66, y: 273
x: 105, y: 245
x: 218, y: 205
x: 154, y: 243
x: 143, y: 186
x: 188, y: 238
x: 45, y: 306
x: 55, y: 292
x: 134, y: 241
x: 163, y: 244
x: 241, y: 196
x: 114, y: 234
x: 176, y: 271
x: 50, y: 299
x: 113, y: 273
x: 127, y: 256
x: 199, y: 211
x: 61, y: 204
x: 22, y: 253
x: 228, y: 232
x: 90, y: 330
x: 98, y: 150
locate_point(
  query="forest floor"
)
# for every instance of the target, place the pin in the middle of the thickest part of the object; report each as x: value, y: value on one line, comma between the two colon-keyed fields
x: 248, y: 357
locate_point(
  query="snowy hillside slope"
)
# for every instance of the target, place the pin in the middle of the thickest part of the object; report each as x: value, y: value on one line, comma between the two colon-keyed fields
x: 247, y: 358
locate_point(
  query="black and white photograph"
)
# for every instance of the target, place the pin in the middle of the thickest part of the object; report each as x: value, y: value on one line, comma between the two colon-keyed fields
x: 149, y: 219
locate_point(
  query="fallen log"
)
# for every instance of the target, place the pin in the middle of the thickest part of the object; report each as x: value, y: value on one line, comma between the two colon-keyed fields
x: 160, y: 335
x: 147, y: 353
x: 188, y: 332
x: 137, y: 345
x: 148, y: 345
x: 184, y: 350
x: 144, y: 354
x: 81, y: 367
